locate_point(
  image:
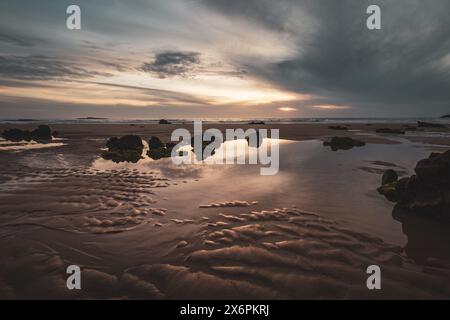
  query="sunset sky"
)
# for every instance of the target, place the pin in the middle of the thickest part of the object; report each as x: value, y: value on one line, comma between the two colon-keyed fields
x: 224, y: 59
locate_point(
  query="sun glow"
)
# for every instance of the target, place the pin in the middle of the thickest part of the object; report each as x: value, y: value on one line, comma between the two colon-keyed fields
x: 287, y: 109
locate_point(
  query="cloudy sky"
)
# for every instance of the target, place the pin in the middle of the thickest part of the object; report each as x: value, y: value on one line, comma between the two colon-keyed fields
x: 224, y: 59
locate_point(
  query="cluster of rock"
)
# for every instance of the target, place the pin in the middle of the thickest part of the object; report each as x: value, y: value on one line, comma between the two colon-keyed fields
x: 127, y: 148
x: 130, y: 148
x: 42, y: 133
x: 343, y: 143
x: 427, y: 192
x: 164, y: 121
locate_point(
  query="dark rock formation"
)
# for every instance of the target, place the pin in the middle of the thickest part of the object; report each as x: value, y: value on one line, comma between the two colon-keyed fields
x: 155, y: 143
x: 389, y: 131
x: 427, y: 192
x: 342, y: 128
x: 127, y: 148
x: 42, y: 133
x: 445, y: 116
x: 343, y: 143
x: 158, y: 150
x: 163, y: 121
x: 16, y: 135
x: 423, y: 124
x: 159, y: 153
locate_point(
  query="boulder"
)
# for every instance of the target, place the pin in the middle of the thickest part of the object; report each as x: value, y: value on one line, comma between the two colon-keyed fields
x: 163, y: 121
x: 158, y: 150
x: 435, y: 169
x: 343, y: 143
x: 159, y: 153
x: 155, y: 143
x: 127, y: 148
x: 427, y: 192
x: 128, y: 142
x: 445, y: 116
x: 43, y: 132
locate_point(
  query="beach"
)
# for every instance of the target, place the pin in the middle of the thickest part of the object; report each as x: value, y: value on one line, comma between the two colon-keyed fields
x: 155, y: 230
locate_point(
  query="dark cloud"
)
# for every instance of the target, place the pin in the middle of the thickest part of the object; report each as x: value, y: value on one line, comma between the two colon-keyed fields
x: 339, y: 59
x: 172, y: 63
x: 158, y: 95
x: 37, y: 67
x: 15, y: 40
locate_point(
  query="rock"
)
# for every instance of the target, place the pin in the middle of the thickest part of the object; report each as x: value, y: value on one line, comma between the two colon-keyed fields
x: 389, y: 131
x: 427, y: 192
x: 389, y: 176
x: 158, y: 150
x: 343, y: 143
x: 256, y: 122
x: 435, y: 169
x: 423, y: 124
x: 159, y: 153
x: 445, y: 116
x: 155, y: 143
x: 338, y: 128
x: 163, y: 121
x: 129, y: 142
x: 41, y: 133
x: 127, y: 148
x: 16, y: 135
x: 170, y: 145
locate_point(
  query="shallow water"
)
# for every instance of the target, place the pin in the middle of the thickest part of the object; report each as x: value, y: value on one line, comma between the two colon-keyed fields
x: 339, y: 184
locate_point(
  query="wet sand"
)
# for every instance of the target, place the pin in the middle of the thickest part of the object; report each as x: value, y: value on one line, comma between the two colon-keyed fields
x: 152, y: 230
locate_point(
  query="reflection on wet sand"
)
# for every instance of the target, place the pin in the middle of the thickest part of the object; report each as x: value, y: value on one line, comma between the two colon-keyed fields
x: 6, y: 145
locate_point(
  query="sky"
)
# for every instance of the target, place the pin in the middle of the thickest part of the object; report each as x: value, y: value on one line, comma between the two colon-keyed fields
x: 193, y: 59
